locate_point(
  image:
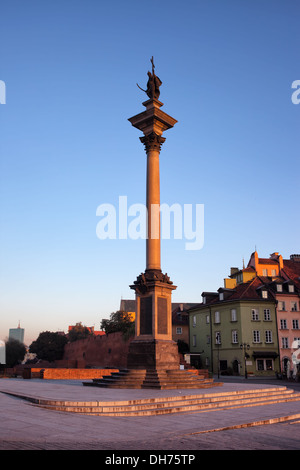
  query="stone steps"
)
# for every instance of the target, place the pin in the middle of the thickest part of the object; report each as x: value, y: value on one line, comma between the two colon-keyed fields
x: 157, y: 406
x: 153, y: 379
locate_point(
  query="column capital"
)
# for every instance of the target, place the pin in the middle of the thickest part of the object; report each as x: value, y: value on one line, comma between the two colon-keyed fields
x: 152, y: 141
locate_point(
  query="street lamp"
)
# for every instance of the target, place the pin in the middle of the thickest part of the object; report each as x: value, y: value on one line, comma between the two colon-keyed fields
x: 244, y: 347
x: 218, y: 343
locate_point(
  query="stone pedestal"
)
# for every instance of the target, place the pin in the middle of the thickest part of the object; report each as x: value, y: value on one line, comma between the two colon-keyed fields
x: 153, y: 347
x: 153, y: 355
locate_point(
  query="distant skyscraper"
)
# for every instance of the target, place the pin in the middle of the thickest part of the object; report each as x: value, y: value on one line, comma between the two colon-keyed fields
x: 2, y: 353
x: 17, y: 333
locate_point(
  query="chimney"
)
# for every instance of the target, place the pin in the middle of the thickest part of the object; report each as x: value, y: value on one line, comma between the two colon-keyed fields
x: 233, y: 271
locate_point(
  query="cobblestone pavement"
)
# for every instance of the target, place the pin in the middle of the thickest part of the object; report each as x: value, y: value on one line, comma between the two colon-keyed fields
x: 281, y: 436
x: 25, y: 427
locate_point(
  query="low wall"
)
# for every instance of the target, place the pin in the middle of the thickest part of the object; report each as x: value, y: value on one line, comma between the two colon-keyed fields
x: 66, y: 374
x: 75, y: 374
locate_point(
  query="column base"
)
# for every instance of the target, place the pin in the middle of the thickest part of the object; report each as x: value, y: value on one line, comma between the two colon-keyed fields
x: 153, y: 354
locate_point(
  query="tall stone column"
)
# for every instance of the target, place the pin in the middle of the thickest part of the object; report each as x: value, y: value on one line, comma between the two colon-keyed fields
x: 153, y: 347
x: 152, y: 144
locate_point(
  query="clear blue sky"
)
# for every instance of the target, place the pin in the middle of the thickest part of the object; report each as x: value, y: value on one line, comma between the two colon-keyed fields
x: 70, y: 69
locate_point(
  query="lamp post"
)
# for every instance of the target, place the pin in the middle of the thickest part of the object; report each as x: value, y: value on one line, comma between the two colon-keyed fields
x: 218, y: 343
x: 244, y: 347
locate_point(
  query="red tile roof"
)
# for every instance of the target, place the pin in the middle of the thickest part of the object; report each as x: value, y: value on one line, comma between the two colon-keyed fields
x: 292, y: 271
x: 268, y: 261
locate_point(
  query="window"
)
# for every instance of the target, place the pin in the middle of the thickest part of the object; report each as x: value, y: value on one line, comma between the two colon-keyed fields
x: 194, y: 340
x: 256, y: 336
x: 207, y: 319
x: 234, y: 336
x: 284, y: 343
x: 218, y: 337
x: 260, y: 364
x: 269, y: 336
x: 265, y: 272
x: 283, y: 324
x: 267, y: 314
x: 294, y: 306
x: 291, y: 288
x: 217, y: 317
x: 207, y: 339
x: 281, y: 305
x: 264, y: 294
x: 179, y: 330
x: 279, y: 287
x: 194, y: 320
x: 255, y: 315
x: 295, y: 324
x: 233, y: 314
x: 273, y: 272
x: 264, y: 364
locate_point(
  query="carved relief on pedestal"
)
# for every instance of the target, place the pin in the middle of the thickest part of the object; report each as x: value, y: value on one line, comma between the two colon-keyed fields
x: 146, y: 279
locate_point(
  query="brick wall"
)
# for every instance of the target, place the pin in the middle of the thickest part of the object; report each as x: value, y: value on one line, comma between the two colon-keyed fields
x: 109, y: 351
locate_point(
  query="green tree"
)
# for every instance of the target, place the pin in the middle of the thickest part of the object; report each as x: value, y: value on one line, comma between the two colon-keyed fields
x: 49, y: 346
x: 79, y: 331
x: 119, y: 321
x: 15, y: 352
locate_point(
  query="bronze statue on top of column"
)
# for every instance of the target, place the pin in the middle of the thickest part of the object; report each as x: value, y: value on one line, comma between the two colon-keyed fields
x: 153, y: 84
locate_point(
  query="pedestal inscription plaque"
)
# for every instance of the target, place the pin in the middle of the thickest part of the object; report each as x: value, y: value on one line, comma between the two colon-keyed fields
x: 146, y: 315
x: 162, y: 316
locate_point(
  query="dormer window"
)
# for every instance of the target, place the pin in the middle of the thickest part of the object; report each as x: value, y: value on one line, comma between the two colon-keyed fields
x: 221, y: 296
x: 279, y: 287
x: 204, y: 299
x: 291, y: 288
x: 264, y: 294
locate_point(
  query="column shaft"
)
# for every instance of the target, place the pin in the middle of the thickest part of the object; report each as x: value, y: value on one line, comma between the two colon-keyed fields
x: 153, y: 205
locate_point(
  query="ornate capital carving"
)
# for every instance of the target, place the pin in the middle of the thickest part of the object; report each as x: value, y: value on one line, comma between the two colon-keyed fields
x: 152, y: 141
x: 146, y: 279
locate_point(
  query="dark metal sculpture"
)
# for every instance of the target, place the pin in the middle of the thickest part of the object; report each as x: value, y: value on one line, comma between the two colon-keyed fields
x: 153, y: 84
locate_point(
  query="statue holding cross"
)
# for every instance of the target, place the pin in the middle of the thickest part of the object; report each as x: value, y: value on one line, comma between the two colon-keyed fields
x: 153, y: 84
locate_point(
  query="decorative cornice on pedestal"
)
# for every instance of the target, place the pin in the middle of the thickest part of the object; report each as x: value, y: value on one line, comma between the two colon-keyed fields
x: 152, y: 141
x: 153, y: 119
